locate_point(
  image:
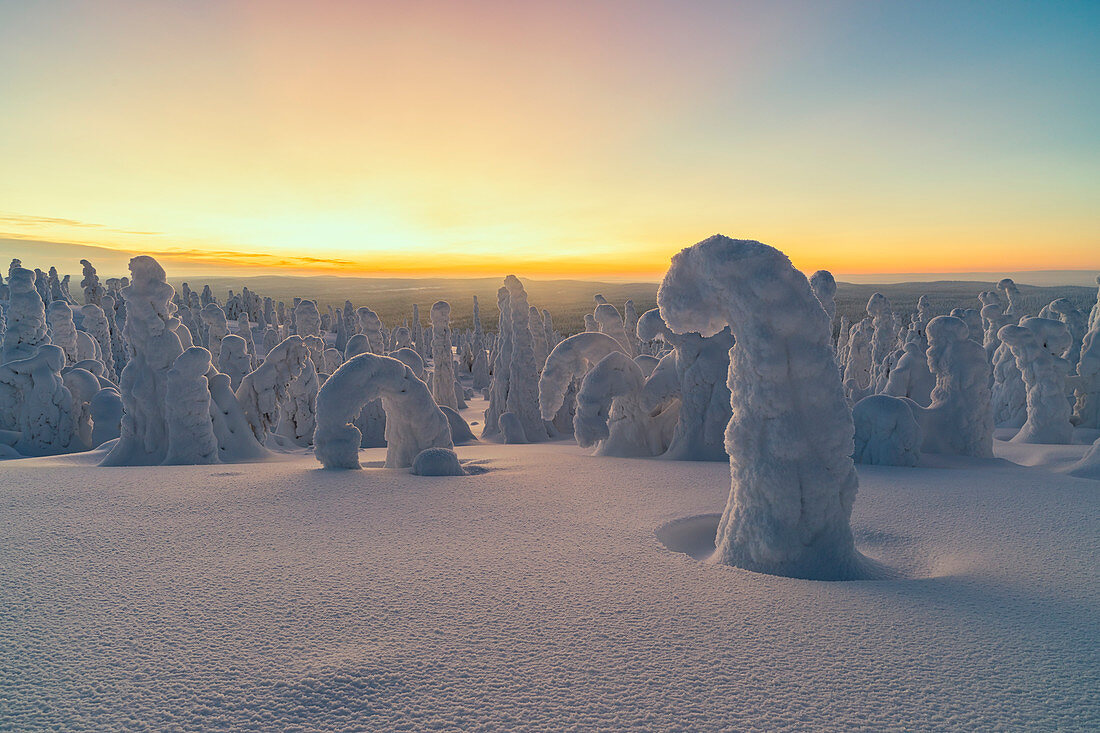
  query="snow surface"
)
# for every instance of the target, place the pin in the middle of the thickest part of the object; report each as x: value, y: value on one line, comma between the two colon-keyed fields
x: 534, y: 596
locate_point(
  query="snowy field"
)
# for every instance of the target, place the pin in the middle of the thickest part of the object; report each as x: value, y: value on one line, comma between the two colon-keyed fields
x: 535, y: 595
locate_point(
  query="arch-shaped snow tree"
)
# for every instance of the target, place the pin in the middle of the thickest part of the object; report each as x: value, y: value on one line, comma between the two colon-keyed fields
x: 610, y: 414
x: 413, y: 420
x: 571, y: 360
x: 790, y: 436
x: 701, y: 364
x: 263, y: 390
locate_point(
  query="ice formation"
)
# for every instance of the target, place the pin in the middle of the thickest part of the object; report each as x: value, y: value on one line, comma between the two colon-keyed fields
x: 886, y: 432
x: 790, y: 436
x: 153, y: 347
x: 413, y: 421
x: 443, y: 372
x: 1037, y: 344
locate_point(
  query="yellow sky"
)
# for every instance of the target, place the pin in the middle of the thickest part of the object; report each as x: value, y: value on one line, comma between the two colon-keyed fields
x: 547, y: 139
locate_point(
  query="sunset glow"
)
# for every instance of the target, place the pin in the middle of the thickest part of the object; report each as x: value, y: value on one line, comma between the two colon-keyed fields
x: 552, y: 138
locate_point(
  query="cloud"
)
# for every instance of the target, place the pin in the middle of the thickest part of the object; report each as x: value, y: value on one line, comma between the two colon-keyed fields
x: 38, y: 222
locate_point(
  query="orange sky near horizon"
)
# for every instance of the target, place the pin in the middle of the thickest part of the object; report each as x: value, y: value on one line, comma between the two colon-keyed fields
x: 552, y: 139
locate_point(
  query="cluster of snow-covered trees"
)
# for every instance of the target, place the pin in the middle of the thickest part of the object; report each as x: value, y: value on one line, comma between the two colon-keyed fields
x: 738, y: 362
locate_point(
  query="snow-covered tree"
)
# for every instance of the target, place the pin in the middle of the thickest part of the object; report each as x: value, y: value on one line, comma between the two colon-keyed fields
x: 569, y: 362
x: 610, y: 322
x: 610, y: 415
x: 264, y: 390
x: 216, y: 326
x: 413, y: 420
x: 93, y: 291
x: 154, y: 347
x: 789, y: 417
x: 234, y: 360
x: 498, y: 388
x: 191, y: 439
x: 959, y: 420
x: 523, y: 378
x: 887, y: 432
x: 911, y: 377
x: 95, y: 324
x: 62, y: 329
x: 443, y: 372
x: 823, y: 284
x: 307, y: 319
x: 26, y: 317
x: 1037, y: 344
x: 370, y: 325
x: 1086, y: 385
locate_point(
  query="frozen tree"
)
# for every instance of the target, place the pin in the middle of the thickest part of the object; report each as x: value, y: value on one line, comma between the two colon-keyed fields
x: 191, y: 439
x: 298, y: 412
x: 609, y: 413
x: 548, y: 328
x: 370, y: 325
x: 236, y: 441
x: 87, y: 349
x: 244, y: 330
x: 106, y: 411
x: 26, y: 317
x: 307, y: 319
x: 443, y: 373
x: 609, y: 321
x: 570, y: 361
x: 216, y: 326
x: 538, y: 338
x: 418, y: 334
x: 480, y: 369
x: 479, y: 335
x: 118, y: 344
x: 512, y: 429
x: 700, y: 365
x: 413, y: 421
x: 234, y: 361
x: 83, y: 386
x: 959, y: 420
x: 45, y: 405
x: 1037, y: 344
x: 790, y: 436
x: 333, y: 360
x: 523, y: 378
x: 154, y: 347
x: 1094, y: 314
x: 859, y: 366
x: 62, y: 330
x: 498, y: 388
x: 1086, y: 385
x: 887, y: 433
x: 93, y: 291
x: 95, y: 324
x: 264, y: 390
x: 590, y: 325
x: 1011, y: 295
x: 823, y: 284
x: 630, y: 323
x: 402, y: 338
x: 883, y: 338
x: 993, y: 318
x: 911, y: 377
x: 1009, y: 396
x: 1076, y: 324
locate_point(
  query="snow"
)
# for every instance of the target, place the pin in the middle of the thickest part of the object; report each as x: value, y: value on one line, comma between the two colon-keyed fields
x: 437, y: 462
x: 535, y: 596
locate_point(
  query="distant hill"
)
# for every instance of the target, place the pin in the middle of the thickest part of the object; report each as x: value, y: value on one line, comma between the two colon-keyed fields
x: 569, y: 300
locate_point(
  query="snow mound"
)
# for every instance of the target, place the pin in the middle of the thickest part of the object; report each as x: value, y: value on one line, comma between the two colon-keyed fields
x: 437, y: 462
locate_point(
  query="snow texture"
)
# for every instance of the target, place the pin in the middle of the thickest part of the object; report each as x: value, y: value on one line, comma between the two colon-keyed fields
x: 437, y: 462
x: 790, y: 436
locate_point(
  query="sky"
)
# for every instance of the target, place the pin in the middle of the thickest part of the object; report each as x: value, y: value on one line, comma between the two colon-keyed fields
x: 550, y: 138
